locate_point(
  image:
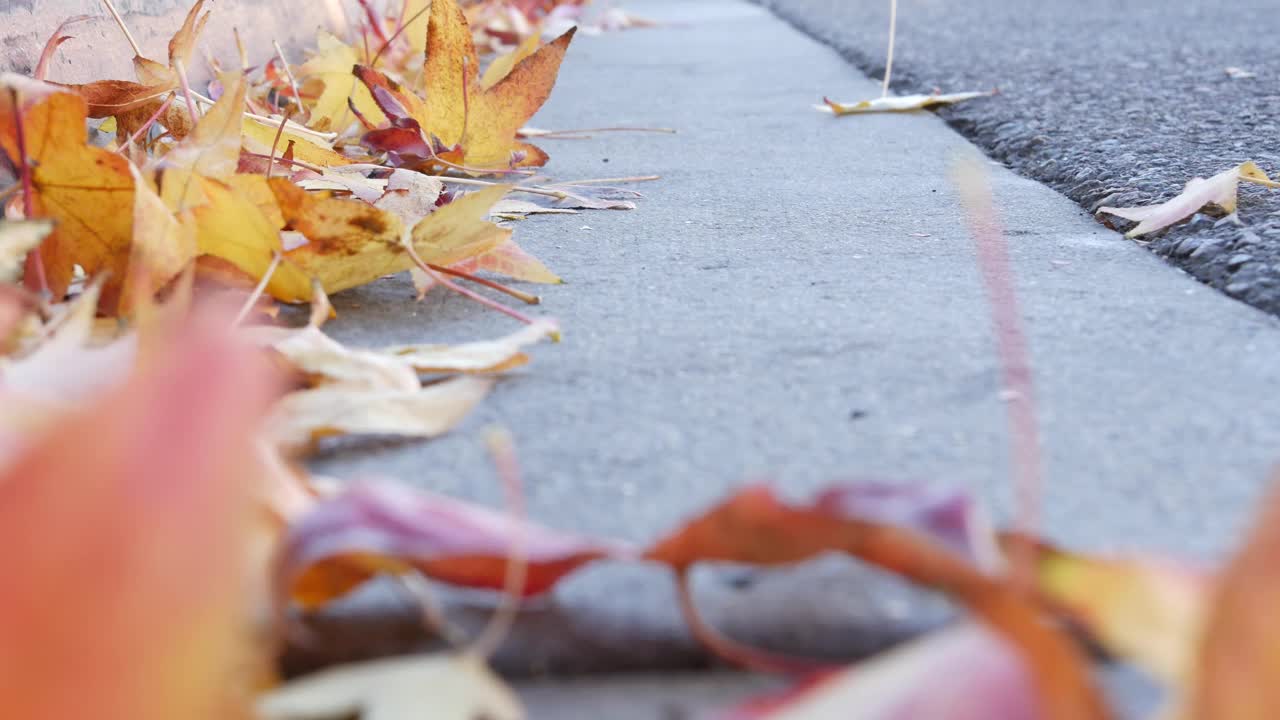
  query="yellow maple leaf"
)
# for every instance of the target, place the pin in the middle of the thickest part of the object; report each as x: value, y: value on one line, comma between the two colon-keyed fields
x: 231, y: 226
x: 351, y: 243
x: 85, y: 189
x: 332, y: 65
x: 483, y: 119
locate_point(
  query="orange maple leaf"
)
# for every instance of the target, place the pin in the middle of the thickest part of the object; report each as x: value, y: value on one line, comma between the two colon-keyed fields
x: 461, y: 110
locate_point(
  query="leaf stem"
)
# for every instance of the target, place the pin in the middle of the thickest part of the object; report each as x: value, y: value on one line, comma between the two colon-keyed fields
x: 146, y: 125
x: 517, y: 294
x: 293, y: 82
x: 893, y: 32
x: 186, y: 90
x: 438, y: 277
x: 111, y: 8
x: 517, y: 571
x: 35, y: 260
x: 258, y: 289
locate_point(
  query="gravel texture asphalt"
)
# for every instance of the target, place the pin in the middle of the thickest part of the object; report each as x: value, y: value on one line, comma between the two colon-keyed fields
x: 1110, y: 102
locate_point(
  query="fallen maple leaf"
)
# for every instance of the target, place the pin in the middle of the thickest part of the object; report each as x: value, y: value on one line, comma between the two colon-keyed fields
x: 898, y: 103
x: 301, y: 418
x: 486, y: 356
x: 331, y: 66
x: 454, y: 687
x: 134, y: 541
x: 1219, y: 190
x: 351, y: 243
x: 459, y: 110
x: 80, y: 187
x: 382, y: 527
x: 232, y: 226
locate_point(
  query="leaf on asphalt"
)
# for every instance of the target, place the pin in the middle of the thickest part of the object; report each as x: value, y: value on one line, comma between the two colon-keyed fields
x: 1235, y: 677
x: 301, y: 418
x: 964, y: 672
x: 1219, y: 190
x: 331, y: 66
x: 898, y: 103
x: 372, y: 528
x: 17, y: 238
x: 920, y: 534
x: 82, y: 188
x: 1145, y: 610
x: 442, y: 687
x: 323, y: 361
x: 487, y: 356
x: 134, y: 540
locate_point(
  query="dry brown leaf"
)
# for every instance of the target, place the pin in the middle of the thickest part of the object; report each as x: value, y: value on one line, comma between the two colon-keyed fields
x: 476, y: 357
x: 301, y: 418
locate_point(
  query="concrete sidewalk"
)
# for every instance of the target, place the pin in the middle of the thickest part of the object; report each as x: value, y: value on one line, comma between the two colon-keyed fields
x: 798, y: 298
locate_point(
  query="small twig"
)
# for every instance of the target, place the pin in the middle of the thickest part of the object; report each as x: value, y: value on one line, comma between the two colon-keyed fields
x: 293, y: 82
x: 375, y: 23
x: 584, y: 132
x: 422, y: 265
x: 610, y: 181
x: 557, y: 194
x: 258, y: 289
x: 731, y: 650
x: 517, y: 294
x: 517, y: 571
x: 893, y: 31
x: 292, y: 161
x: 400, y: 29
x: 186, y: 90
x: 111, y: 8
x: 35, y: 261
x: 275, y: 143
x: 146, y: 125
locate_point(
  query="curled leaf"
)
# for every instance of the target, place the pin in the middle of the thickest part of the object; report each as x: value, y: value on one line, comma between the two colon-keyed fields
x: 1219, y: 190
x: 301, y: 418
x: 383, y: 527
x: 897, y: 103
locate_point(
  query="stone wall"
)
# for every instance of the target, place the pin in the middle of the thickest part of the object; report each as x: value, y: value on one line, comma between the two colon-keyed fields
x: 99, y: 50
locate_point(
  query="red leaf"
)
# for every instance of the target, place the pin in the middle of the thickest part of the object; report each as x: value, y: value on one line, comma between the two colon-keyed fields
x: 377, y: 527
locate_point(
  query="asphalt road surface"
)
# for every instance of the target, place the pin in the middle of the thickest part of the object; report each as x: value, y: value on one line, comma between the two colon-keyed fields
x: 1110, y: 102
